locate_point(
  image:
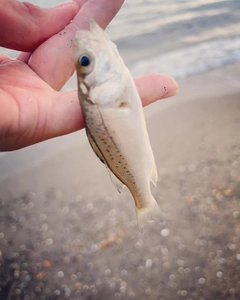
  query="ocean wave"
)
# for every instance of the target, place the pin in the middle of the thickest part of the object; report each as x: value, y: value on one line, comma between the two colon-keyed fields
x: 191, y: 60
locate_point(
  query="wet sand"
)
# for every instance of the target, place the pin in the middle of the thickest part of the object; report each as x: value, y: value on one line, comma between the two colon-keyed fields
x: 66, y: 233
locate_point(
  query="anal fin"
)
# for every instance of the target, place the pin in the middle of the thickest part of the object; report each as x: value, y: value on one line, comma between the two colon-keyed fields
x: 116, y: 182
x: 154, y: 175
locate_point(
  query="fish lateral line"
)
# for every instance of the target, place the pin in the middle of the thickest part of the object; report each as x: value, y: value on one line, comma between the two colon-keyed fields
x: 115, y: 145
x: 95, y: 147
x: 106, y: 129
x: 114, y: 178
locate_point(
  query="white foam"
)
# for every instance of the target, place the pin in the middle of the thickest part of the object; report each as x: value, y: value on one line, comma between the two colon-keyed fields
x: 192, y: 60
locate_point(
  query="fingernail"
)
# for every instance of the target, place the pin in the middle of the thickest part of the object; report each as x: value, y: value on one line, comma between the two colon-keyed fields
x: 64, y: 4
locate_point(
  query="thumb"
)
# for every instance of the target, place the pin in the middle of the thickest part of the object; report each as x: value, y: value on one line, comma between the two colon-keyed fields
x: 25, y: 26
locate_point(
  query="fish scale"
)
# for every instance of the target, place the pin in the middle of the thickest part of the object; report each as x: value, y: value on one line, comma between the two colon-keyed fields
x: 114, y: 119
x: 111, y: 152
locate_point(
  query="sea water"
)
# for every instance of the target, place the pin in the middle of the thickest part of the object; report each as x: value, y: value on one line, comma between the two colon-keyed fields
x: 176, y: 37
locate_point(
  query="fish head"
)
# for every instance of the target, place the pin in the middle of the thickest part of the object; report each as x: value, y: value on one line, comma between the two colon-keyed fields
x: 100, y: 69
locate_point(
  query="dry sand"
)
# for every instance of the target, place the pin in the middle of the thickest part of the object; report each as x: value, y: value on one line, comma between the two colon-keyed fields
x: 66, y: 233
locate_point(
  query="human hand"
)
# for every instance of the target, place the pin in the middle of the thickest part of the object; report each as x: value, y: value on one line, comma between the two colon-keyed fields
x: 31, y: 107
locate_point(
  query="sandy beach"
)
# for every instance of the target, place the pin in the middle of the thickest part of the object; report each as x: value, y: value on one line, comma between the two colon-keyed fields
x: 66, y: 233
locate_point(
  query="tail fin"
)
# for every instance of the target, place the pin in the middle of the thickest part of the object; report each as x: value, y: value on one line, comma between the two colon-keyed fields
x: 152, y: 213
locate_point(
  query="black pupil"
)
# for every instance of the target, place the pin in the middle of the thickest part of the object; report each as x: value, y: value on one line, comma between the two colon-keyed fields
x: 84, y: 61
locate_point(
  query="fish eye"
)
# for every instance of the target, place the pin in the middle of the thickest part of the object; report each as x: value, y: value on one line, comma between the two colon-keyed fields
x: 84, y: 61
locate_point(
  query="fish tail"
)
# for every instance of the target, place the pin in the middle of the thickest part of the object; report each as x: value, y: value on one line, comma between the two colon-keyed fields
x: 151, y: 213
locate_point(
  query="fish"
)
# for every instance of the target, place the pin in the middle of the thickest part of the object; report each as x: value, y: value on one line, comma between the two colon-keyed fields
x: 114, y: 119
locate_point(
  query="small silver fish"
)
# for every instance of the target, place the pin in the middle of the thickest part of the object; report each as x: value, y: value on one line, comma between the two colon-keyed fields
x: 114, y: 118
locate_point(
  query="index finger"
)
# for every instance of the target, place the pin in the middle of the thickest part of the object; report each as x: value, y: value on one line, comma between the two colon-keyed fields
x: 53, y: 60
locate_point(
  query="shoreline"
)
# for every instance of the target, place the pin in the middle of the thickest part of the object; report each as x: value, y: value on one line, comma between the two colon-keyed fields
x: 194, y: 94
x: 65, y: 232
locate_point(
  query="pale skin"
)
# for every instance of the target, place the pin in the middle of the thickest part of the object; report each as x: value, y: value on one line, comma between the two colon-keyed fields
x: 32, y: 109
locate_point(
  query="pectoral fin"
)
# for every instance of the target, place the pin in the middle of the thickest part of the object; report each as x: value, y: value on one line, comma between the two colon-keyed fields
x: 116, y: 182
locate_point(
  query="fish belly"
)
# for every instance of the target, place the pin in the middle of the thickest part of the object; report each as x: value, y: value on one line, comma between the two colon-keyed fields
x: 124, y: 146
x: 122, y: 142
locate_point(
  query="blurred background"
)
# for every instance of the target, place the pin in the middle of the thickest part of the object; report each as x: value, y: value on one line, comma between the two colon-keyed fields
x: 66, y: 233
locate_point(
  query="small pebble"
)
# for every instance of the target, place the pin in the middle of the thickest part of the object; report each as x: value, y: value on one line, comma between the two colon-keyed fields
x: 65, y: 210
x: 192, y: 168
x: 66, y: 259
x: 172, y: 277
x: 182, y: 293
x: 49, y: 242
x: 181, y: 263
x: 94, y: 247
x: 148, y: 291
x: 187, y: 271
x: 30, y: 205
x: 122, y: 289
x: 56, y: 292
x: 13, y: 228
x: 165, y: 251
x: 219, y: 274
x: 139, y: 244
x: 232, y: 246
x: 12, y: 214
x: 236, y: 214
x: 236, y: 150
x: 47, y: 264
x: 181, y: 247
x: 94, y: 292
x: 43, y: 217
x: 201, y: 280
x: 18, y: 292
x: 109, y: 199
x: 148, y: 263
x: 60, y: 274
x: 79, y: 198
x: 73, y: 277
x: 23, y: 248
x: 131, y: 294
x: 89, y: 206
x: 16, y: 273
x: 205, y: 169
x: 45, y: 227
x: 165, y: 232
x: 66, y: 231
x: 124, y: 273
x: 181, y: 169
x: 108, y: 272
